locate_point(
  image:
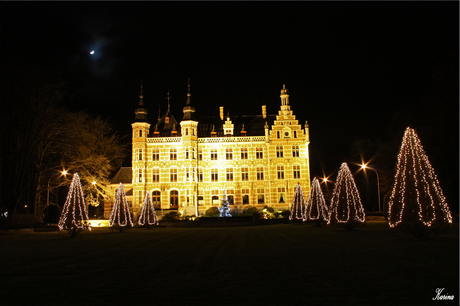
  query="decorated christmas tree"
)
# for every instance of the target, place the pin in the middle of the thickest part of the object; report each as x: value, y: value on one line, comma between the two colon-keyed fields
x: 299, y: 205
x: 346, y: 206
x: 120, y: 217
x: 74, y: 217
x: 417, y: 202
x: 316, y: 205
x: 224, y: 210
x: 148, y: 215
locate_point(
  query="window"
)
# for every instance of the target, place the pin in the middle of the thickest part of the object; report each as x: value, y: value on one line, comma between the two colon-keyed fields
x: 187, y: 175
x: 140, y: 176
x: 193, y: 153
x: 186, y: 131
x: 214, y: 175
x: 260, y: 196
x: 279, y: 151
x: 229, y: 174
x: 259, y: 153
x: 296, y: 169
x: 295, y: 134
x: 200, y: 197
x: 200, y: 175
x: 140, y: 133
x: 245, y: 195
x: 229, y: 153
x: 230, y: 196
x: 156, y: 175
x: 140, y: 154
x: 173, y: 154
x: 140, y: 197
x: 173, y: 175
x: 281, y: 194
x: 244, y: 153
x: 174, y: 198
x: 213, y: 154
x: 200, y: 154
x: 295, y: 151
x: 156, y: 199
x: 215, y: 197
x: 156, y: 154
x: 280, y: 171
x: 187, y: 153
x: 244, y: 174
x: 260, y: 173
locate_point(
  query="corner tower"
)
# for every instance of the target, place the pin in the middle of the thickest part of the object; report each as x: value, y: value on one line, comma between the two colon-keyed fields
x: 139, y: 151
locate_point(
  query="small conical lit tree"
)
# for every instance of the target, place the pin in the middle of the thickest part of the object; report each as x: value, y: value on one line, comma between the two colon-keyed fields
x: 120, y: 217
x: 316, y: 205
x: 148, y: 215
x: 224, y: 210
x: 299, y: 205
x: 346, y: 207
x: 74, y: 217
x: 417, y: 202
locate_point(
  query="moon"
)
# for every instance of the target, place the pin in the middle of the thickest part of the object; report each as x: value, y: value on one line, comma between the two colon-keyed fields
x: 92, y: 52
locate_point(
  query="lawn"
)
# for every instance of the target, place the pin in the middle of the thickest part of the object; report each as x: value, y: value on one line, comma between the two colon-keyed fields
x: 285, y: 264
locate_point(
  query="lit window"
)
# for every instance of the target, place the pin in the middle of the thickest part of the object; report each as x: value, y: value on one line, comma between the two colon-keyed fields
x: 187, y: 175
x: 259, y: 153
x: 200, y: 154
x: 244, y: 153
x: 186, y: 153
x: 279, y: 151
x: 156, y: 175
x: 214, y: 175
x: 156, y: 199
x: 140, y: 154
x: 173, y: 175
x: 213, y: 154
x: 173, y: 154
x: 260, y: 173
x: 295, y: 151
x: 229, y: 153
x: 296, y: 170
x: 140, y: 176
x: 280, y: 171
x: 156, y: 154
x: 229, y: 174
x: 245, y: 195
x: 200, y: 175
x: 244, y: 174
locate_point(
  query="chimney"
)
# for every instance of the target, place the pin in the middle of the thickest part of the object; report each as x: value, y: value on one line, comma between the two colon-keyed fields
x: 221, y: 112
x: 264, y: 111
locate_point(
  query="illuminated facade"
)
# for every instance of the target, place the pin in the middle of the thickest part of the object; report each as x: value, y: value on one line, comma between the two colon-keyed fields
x: 187, y: 165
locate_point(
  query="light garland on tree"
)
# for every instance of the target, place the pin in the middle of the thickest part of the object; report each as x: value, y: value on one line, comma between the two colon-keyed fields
x: 346, y: 204
x: 148, y: 215
x: 316, y: 204
x: 416, y: 191
x: 74, y: 215
x: 225, y: 208
x: 120, y: 215
x: 299, y: 205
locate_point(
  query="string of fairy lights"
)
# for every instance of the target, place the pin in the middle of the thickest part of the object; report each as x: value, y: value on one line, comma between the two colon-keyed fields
x: 316, y: 204
x: 120, y: 215
x: 346, y: 204
x: 74, y: 215
x: 148, y: 214
x: 299, y: 204
x: 414, y: 174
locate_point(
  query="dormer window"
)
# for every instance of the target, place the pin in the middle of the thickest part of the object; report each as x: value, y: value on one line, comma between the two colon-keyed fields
x: 166, y: 119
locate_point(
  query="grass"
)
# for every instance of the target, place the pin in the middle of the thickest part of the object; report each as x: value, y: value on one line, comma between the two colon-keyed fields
x: 286, y: 264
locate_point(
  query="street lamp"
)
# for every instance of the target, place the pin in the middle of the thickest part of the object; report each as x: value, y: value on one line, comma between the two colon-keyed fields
x: 364, y: 167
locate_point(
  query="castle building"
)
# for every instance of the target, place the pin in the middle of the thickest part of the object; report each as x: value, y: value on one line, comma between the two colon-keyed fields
x: 258, y: 160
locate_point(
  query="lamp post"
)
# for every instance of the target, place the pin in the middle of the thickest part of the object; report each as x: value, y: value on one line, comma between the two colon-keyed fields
x: 364, y: 166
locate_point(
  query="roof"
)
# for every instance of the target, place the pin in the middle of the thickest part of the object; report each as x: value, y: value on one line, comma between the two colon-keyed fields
x: 253, y: 125
x: 124, y: 176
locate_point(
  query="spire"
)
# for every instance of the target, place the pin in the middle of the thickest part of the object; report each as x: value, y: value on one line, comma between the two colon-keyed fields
x: 159, y: 112
x: 188, y: 110
x: 168, y: 97
x: 141, y: 112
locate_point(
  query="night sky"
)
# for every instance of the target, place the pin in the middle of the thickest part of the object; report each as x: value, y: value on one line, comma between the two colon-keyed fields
x: 349, y: 66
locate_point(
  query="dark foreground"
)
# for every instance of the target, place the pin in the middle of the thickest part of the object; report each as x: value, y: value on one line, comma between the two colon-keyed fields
x: 287, y: 264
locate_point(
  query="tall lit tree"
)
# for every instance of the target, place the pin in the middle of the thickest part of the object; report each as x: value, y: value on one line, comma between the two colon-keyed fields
x: 120, y: 217
x: 148, y: 215
x: 316, y: 205
x: 74, y: 216
x: 299, y: 204
x: 417, y: 201
x: 346, y: 206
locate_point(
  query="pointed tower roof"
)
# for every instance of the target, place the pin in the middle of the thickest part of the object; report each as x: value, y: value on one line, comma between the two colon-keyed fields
x: 166, y: 123
x: 141, y: 112
x: 189, y: 111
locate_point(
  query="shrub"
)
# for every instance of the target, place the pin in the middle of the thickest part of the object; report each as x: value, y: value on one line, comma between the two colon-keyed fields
x: 285, y: 214
x: 269, y: 209
x: 171, y: 216
x: 256, y: 213
x: 212, y: 212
